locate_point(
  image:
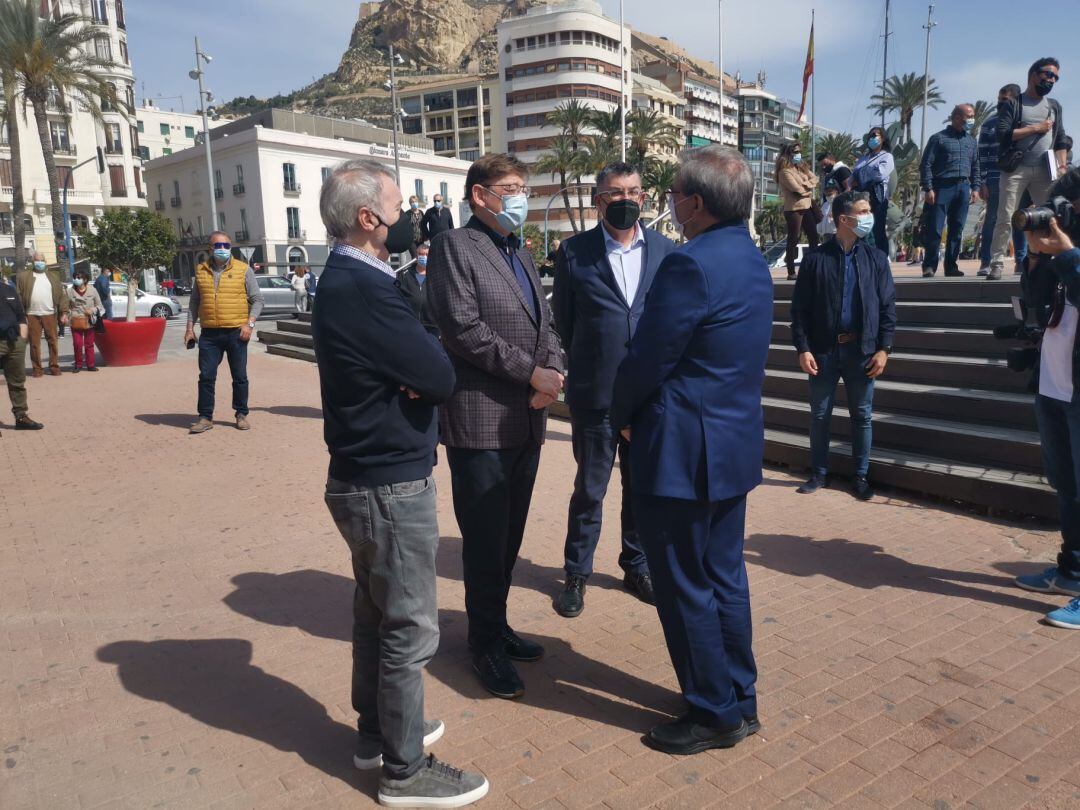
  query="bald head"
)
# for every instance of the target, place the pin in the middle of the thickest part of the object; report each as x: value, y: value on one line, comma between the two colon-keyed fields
x: 38, y: 256
x: 961, y: 114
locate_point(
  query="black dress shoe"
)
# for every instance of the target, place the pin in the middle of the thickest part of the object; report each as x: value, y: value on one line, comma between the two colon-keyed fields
x: 521, y: 649
x: 953, y: 272
x: 753, y: 725
x: 641, y: 586
x: 684, y: 736
x: 571, y: 601
x: 812, y: 485
x: 861, y: 488
x: 498, y: 674
x: 26, y: 423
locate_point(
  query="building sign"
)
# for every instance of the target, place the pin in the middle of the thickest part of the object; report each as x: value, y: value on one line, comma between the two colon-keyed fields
x: 383, y: 151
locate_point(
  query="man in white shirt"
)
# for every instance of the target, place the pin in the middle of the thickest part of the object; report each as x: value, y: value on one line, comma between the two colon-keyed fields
x: 1057, y: 407
x: 601, y: 279
x: 46, y: 306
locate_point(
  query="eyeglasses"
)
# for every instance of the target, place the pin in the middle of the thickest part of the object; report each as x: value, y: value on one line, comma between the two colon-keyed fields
x: 221, y: 246
x: 673, y: 191
x: 1049, y: 74
x: 511, y: 189
x: 616, y: 194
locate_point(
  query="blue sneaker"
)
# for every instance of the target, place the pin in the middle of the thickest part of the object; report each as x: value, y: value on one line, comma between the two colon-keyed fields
x: 1067, y: 617
x: 1049, y: 581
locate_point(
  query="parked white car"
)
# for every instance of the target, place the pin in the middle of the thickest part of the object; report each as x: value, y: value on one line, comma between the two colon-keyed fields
x: 147, y: 305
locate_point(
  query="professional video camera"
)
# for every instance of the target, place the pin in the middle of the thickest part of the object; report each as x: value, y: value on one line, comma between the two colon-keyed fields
x: 1040, y: 305
x: 1039, y: 217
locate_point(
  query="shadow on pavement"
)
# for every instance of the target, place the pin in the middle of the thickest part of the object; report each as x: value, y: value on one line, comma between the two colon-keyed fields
x: 298, y: 411
x: 864, y: 565
x: 173, y: 420
x: 565, y: 681
x: 214, y: 682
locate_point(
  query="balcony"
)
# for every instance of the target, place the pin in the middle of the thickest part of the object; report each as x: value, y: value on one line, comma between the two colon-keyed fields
x: 64, y: 150
x: 238, y: 189
x: 297, y: 235
x: 114, y: 149
x: 219, y: 193
x: 241, y: 236
x: 159, y: 205
x: 291, y: 188
x: 174, y: 202
x: 119, y: 192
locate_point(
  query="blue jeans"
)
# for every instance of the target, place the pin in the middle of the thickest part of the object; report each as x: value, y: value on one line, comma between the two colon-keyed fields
x: 990, y: 220
x: 214, y: 344
x: 1059, y: 434
x: 393, y: 534
x: 950, y: 205
x: 595, y: 445
x: 846, y: 362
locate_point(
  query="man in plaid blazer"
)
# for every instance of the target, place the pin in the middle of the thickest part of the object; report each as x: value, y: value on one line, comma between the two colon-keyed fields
x: 484, y: 295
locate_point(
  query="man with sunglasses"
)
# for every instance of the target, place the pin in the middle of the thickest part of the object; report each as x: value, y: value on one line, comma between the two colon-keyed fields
x: 601, y: 279
x: 1031, y: 135
x: 227, y: 300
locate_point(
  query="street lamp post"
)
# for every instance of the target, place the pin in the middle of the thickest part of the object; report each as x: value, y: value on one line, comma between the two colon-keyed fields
x: 395, y: 113
x: 204, y: 100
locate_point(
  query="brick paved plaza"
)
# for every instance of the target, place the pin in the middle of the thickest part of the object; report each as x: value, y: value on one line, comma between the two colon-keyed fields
x: 175, y: 615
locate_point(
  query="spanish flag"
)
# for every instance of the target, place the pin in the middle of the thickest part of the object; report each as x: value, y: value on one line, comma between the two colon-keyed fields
x: 808, y: 71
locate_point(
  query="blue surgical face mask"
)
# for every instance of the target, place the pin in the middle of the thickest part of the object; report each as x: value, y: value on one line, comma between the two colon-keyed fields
x: 414, y: 204
x: 39, y: 266
x: 864, y: 223
x: 796, y: 158
x: 874, y: 143
x: 969, y: 124
x: 222, y: 255
x: 422, y: 261
x: 438, y: 203
x: 515, y: 210
x: 80, y: 281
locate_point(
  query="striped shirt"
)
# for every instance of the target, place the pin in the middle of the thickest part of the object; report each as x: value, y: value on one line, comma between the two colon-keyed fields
x: 359, y: 255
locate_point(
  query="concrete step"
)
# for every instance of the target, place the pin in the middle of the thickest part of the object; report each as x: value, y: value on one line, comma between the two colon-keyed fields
x: 961, y: 314
x: 928, y: 339
x: 999, y: 490
x: 931, y: 369
x: 973, y: 290
x: 295, y: 352
x: 966, y: 442
x: 275, y: 338
x: 297, y: 327
x: 1004, y: 408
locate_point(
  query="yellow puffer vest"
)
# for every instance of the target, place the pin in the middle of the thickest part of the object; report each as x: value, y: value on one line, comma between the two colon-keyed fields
x: 224, y: 306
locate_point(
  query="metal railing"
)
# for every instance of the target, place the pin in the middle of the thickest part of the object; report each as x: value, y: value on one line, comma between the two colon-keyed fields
x: 238, y: 189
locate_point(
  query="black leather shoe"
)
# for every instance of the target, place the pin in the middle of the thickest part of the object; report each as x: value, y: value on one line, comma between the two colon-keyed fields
x: 753, y: 725
x: 571, y: 601
x: 26, y: 423
x: 812, y: 485
x: 953, y: 272
x: 521, y: 649
x: 498, y: 674
x: 641, y: 586
x: 861, y: 488
x: 684, y: 736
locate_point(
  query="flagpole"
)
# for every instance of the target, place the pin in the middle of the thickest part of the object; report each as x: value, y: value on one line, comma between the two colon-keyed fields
x: 813, y: 116
x: 622, y: 85
x: 720, y: 66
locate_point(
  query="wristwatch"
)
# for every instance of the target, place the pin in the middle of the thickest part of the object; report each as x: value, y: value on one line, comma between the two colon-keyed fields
x: 251, y: 324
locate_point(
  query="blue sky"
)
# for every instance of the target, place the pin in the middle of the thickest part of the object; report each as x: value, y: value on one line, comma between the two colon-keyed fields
x: 263, y: 47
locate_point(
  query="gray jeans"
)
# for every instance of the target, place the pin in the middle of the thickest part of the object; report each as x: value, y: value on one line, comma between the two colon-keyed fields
x: 1033, y: 179
x: 393, y: 534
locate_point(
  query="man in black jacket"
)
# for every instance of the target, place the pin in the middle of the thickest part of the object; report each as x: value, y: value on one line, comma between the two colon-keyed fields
x: 412, y: 279
x: 13, y: 334
x: 437, y: 219
x: 1030, y: 129
x: 843, y: 315
x: 381, y: 375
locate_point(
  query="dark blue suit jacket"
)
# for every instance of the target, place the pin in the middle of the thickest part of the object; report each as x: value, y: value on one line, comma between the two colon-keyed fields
x: 592, y: 317
x: 690, y: 386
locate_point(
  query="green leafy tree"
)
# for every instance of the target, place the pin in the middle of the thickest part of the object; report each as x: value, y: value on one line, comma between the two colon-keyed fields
x: 532, y: 239
x: 658, y: 177
x: 770, y: 220
x: 841, y: 144
x: 130, y: 240
x: 904, y: 95
x: 561, y: 160
x: 52, y: 62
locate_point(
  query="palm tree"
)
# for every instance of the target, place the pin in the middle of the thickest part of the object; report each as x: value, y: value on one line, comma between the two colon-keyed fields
x: 657, y: 178
x: 51, y: 62
x: 561, y: 159
x: 983, y: 110
x: 608, y: 126
x: 647, y: 130
x: 770, y: 219
x: 904, y: 94
x: 574, y: 119
x: 598, y: 151
x: 840, y: 144
x: 10, y: 119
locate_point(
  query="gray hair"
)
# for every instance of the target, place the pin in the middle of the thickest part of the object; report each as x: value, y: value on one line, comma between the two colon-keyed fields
x: 352, y: 185
x: 722, y: 177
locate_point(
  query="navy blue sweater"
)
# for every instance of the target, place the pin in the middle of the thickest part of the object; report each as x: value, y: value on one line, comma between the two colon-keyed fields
x: 369, y: 343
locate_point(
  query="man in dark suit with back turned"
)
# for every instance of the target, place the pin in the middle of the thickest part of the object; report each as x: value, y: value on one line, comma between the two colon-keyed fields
x: 484, y: 295
x: 688, y: 395
x: 601, y: 279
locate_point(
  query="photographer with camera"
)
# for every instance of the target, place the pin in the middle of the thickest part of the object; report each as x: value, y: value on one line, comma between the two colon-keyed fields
x: 1030, y: 136
x: 1052, y: 289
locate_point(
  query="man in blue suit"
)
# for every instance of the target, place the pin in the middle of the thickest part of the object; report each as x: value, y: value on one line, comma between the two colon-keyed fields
x: 601, y: 279
x: 688, y: 396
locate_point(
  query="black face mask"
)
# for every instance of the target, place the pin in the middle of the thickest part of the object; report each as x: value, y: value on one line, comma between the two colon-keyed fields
x: 398, y: 235
x: 1044, y: 87
x: 622, y: 214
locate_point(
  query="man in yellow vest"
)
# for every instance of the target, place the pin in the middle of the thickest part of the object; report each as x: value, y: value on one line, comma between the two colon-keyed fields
x: 227, y: 300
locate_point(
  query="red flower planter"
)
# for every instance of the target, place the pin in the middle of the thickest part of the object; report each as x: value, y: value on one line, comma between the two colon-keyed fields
x: 131, y: 343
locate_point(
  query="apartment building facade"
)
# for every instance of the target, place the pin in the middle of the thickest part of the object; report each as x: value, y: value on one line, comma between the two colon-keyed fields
x: 449, y: 112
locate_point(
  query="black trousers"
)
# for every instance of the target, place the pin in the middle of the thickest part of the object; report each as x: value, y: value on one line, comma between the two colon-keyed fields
x: 492, y: 492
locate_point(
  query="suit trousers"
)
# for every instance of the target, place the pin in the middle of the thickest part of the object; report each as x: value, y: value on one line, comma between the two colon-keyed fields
x: 695, y: 553
x: 47, y: 324
x: 595, y: 444
x: 492, y: 492
x: 13, y: 364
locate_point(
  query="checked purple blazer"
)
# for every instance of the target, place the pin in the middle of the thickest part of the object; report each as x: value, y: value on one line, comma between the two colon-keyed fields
x: 493, y: 340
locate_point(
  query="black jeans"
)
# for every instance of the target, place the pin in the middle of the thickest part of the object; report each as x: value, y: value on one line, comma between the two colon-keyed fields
x: 1059, y: 434
x: 595, y: 445
x: 214, y: 344
x: 492, y: 492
